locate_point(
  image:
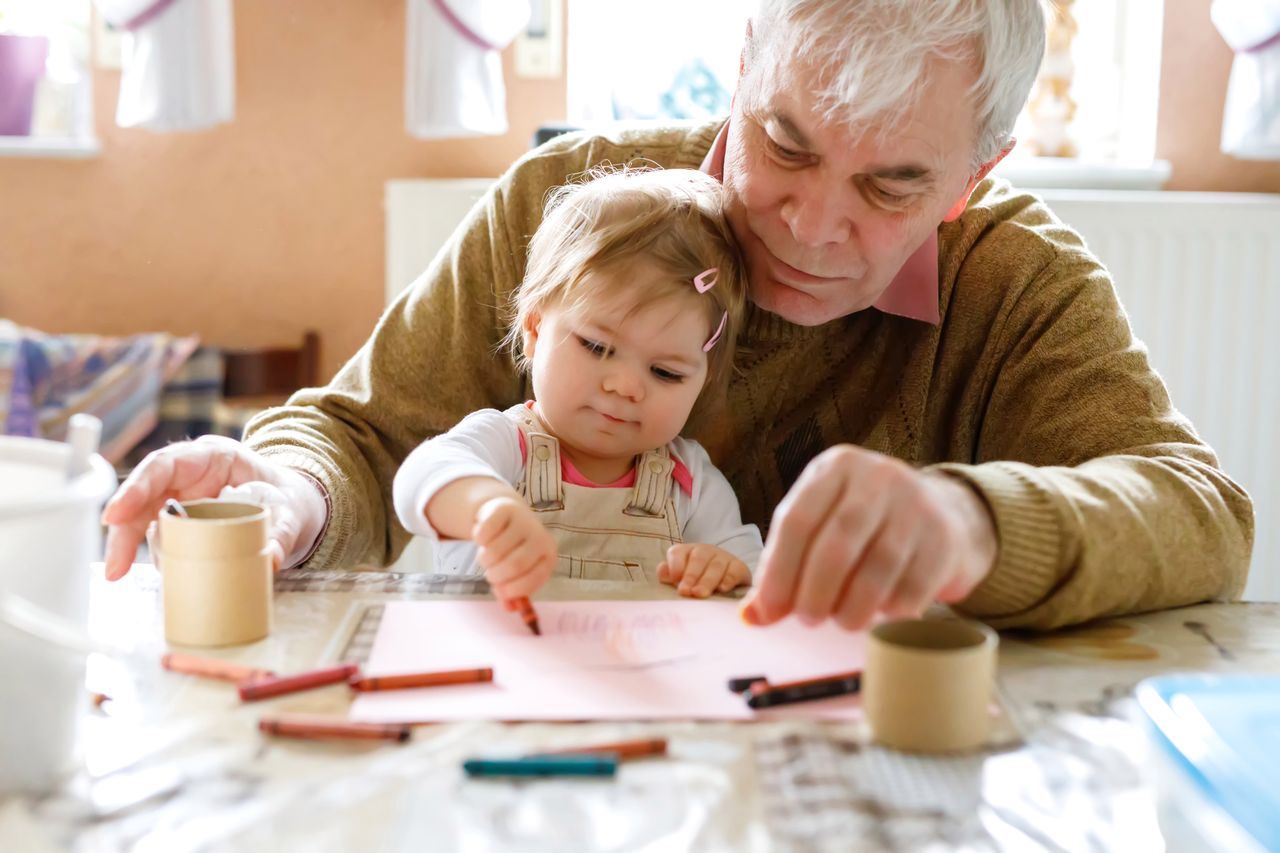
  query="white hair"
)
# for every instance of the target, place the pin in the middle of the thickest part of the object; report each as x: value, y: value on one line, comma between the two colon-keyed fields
x: 874, y: 54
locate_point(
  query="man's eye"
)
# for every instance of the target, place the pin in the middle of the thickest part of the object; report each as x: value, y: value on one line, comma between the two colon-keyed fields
x: 783, y: 152
x: 667, y: 375
x: 890, y: 198
x: 593, y: 347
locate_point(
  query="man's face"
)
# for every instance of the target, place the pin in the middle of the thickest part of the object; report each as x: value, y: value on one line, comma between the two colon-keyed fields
x: 826, y: 215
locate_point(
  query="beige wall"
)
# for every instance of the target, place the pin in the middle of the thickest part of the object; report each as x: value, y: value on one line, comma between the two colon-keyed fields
x: 1193, y: 86
x: 252, y: 232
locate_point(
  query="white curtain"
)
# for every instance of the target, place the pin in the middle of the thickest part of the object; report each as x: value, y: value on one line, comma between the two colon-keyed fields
x: 178, y: 63
x: 453, y: 65
x: 1251, y: 118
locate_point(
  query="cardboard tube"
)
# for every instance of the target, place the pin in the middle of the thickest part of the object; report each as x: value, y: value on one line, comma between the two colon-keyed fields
x: 927, y: 684
x: 216, y: 573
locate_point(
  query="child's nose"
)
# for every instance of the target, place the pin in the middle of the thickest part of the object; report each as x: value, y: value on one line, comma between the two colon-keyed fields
x: 624, y: 383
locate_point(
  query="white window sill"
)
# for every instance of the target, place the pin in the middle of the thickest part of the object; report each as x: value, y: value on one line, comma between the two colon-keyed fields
x: 1066, y: 173
x: 49, y: 146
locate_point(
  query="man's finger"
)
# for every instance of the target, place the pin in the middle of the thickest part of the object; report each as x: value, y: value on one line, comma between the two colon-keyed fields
x: 886, y: 558
x: 836, y: 550
x: 122, y: 547
x: 794, y: 523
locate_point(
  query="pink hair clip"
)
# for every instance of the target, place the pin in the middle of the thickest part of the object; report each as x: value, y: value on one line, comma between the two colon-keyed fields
x: 702, y: 285
x: 700, y: 282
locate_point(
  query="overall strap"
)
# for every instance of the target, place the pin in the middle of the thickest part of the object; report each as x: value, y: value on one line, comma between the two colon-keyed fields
x: 653, y: 483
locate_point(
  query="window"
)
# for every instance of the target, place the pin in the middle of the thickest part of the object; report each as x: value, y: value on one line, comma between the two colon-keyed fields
x: 687, y: 71
x: 45, y: 73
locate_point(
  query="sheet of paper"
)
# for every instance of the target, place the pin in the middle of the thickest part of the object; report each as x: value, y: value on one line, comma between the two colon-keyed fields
x: 600, y: 660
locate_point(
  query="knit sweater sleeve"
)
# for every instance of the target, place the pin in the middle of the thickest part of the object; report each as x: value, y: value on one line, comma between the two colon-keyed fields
x: 1114, y: 504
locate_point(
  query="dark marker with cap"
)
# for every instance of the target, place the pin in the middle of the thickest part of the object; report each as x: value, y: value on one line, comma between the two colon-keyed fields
x: 765, y: 695
x: 741, y: 683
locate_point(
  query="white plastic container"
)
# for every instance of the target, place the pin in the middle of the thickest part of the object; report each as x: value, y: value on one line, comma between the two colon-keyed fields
x: 1215, y: 748
x: 49, y: 535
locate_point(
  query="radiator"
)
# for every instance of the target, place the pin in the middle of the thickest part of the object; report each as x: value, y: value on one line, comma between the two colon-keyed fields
x: 1198, y: 273
x: 1199, y: 276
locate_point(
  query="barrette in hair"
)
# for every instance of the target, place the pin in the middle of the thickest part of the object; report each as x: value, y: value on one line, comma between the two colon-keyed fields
x: 702, y: 285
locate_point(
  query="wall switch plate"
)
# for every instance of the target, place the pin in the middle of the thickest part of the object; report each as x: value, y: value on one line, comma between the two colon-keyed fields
x: 540, y: 45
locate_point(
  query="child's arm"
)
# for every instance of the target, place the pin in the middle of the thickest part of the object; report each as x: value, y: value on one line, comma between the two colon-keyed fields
x: 458, y: 485
x: 516, y: 551
x: 719, y: 552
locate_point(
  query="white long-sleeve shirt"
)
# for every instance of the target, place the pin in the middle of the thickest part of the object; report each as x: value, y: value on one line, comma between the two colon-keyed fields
x: 487, y: 444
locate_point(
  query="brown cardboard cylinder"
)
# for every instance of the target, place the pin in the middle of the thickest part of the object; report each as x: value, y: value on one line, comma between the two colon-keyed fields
x: 216, y: 574
x: 927, y: 684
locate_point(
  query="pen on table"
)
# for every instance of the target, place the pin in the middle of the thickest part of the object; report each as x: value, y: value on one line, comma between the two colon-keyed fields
x: 212, y: 668
x: 409, y: 680
x: 763, y: 694
x: 590, y: 764
x: 622, y: 749
x: 316, y: 727
x: 525, y: 607
x: 265, y: 688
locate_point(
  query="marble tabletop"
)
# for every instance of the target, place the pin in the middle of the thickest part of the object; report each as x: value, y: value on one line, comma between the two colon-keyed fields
x: 174, y: 763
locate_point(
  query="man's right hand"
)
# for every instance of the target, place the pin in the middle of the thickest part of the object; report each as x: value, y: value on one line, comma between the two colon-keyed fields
x: 209, y: 467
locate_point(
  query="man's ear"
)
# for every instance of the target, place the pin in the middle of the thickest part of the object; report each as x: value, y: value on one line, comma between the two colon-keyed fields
x: 529, y: 334
x: 958, y: 208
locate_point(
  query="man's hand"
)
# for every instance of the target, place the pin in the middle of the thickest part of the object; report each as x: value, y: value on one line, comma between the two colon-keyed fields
x: 212, y: 466
x: 699, y: 570
x: 861, y: 533
x: 518, y: 554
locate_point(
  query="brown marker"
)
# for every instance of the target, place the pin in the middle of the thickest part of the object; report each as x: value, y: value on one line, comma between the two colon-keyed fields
x: 317, y: 727
x: 623, y: 749
x: 421, y: 679
x: 528, y: 614
x: 212, y: 668
x: 265, y: 688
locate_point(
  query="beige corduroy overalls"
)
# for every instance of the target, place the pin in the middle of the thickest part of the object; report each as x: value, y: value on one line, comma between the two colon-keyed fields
x: 601, y: 534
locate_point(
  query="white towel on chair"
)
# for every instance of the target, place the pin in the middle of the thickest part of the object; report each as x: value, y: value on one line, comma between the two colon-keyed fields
x: 453, y: 65
x: 178, y: 63
x: 1251, y: 117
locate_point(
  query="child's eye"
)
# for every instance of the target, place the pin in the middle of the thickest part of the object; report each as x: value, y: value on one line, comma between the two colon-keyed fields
x: 667, y: 375
x: 593, y: 347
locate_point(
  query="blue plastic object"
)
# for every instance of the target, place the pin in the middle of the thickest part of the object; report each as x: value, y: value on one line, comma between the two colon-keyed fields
x: 1223, y: 731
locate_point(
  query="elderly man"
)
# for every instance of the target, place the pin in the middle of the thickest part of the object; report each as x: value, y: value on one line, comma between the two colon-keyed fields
x: 939, y: 396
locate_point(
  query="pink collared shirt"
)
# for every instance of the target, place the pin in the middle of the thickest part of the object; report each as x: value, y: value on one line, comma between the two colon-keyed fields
x: 913, y: 293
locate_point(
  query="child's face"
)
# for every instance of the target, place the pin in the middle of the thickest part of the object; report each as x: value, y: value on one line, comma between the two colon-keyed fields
x: 612, y: 384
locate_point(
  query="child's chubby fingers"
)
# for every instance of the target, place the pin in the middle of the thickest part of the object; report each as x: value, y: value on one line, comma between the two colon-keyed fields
x: 696, y: 564
x: 527, y: 582
x: 713, y: 576
x: 735, y: 576
x: 672, y: 569
x: 493, y: 519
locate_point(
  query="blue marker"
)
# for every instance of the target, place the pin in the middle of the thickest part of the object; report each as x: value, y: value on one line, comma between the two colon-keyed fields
x: 596, y: 764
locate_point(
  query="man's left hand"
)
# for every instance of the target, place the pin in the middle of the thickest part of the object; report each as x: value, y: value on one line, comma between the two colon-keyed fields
x: 861, y: 533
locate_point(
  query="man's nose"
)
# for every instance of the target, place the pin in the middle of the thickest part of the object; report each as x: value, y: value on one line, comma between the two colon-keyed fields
x: 816, y: 218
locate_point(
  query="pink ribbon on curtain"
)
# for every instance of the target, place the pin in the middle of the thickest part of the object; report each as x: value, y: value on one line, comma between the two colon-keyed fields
x: 146, y: 15
x: 456, y: 22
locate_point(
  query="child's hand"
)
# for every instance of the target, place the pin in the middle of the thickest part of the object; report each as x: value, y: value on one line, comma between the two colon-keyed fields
x: 516, y: 551
x: 699, y: 570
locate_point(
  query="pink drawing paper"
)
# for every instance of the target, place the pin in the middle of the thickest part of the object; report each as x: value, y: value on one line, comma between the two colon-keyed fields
x: 600, y: 660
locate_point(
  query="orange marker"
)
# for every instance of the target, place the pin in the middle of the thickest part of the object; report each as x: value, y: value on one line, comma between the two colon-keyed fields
x: 265, y: 688
x: 623, y: 749
x: 317, y: 727
x: 528, y: 614
x: 421, y: 679
x: 212, y: 668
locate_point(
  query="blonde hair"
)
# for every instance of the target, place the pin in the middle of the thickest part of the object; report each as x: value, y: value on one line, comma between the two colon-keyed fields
x: 671, y: 219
